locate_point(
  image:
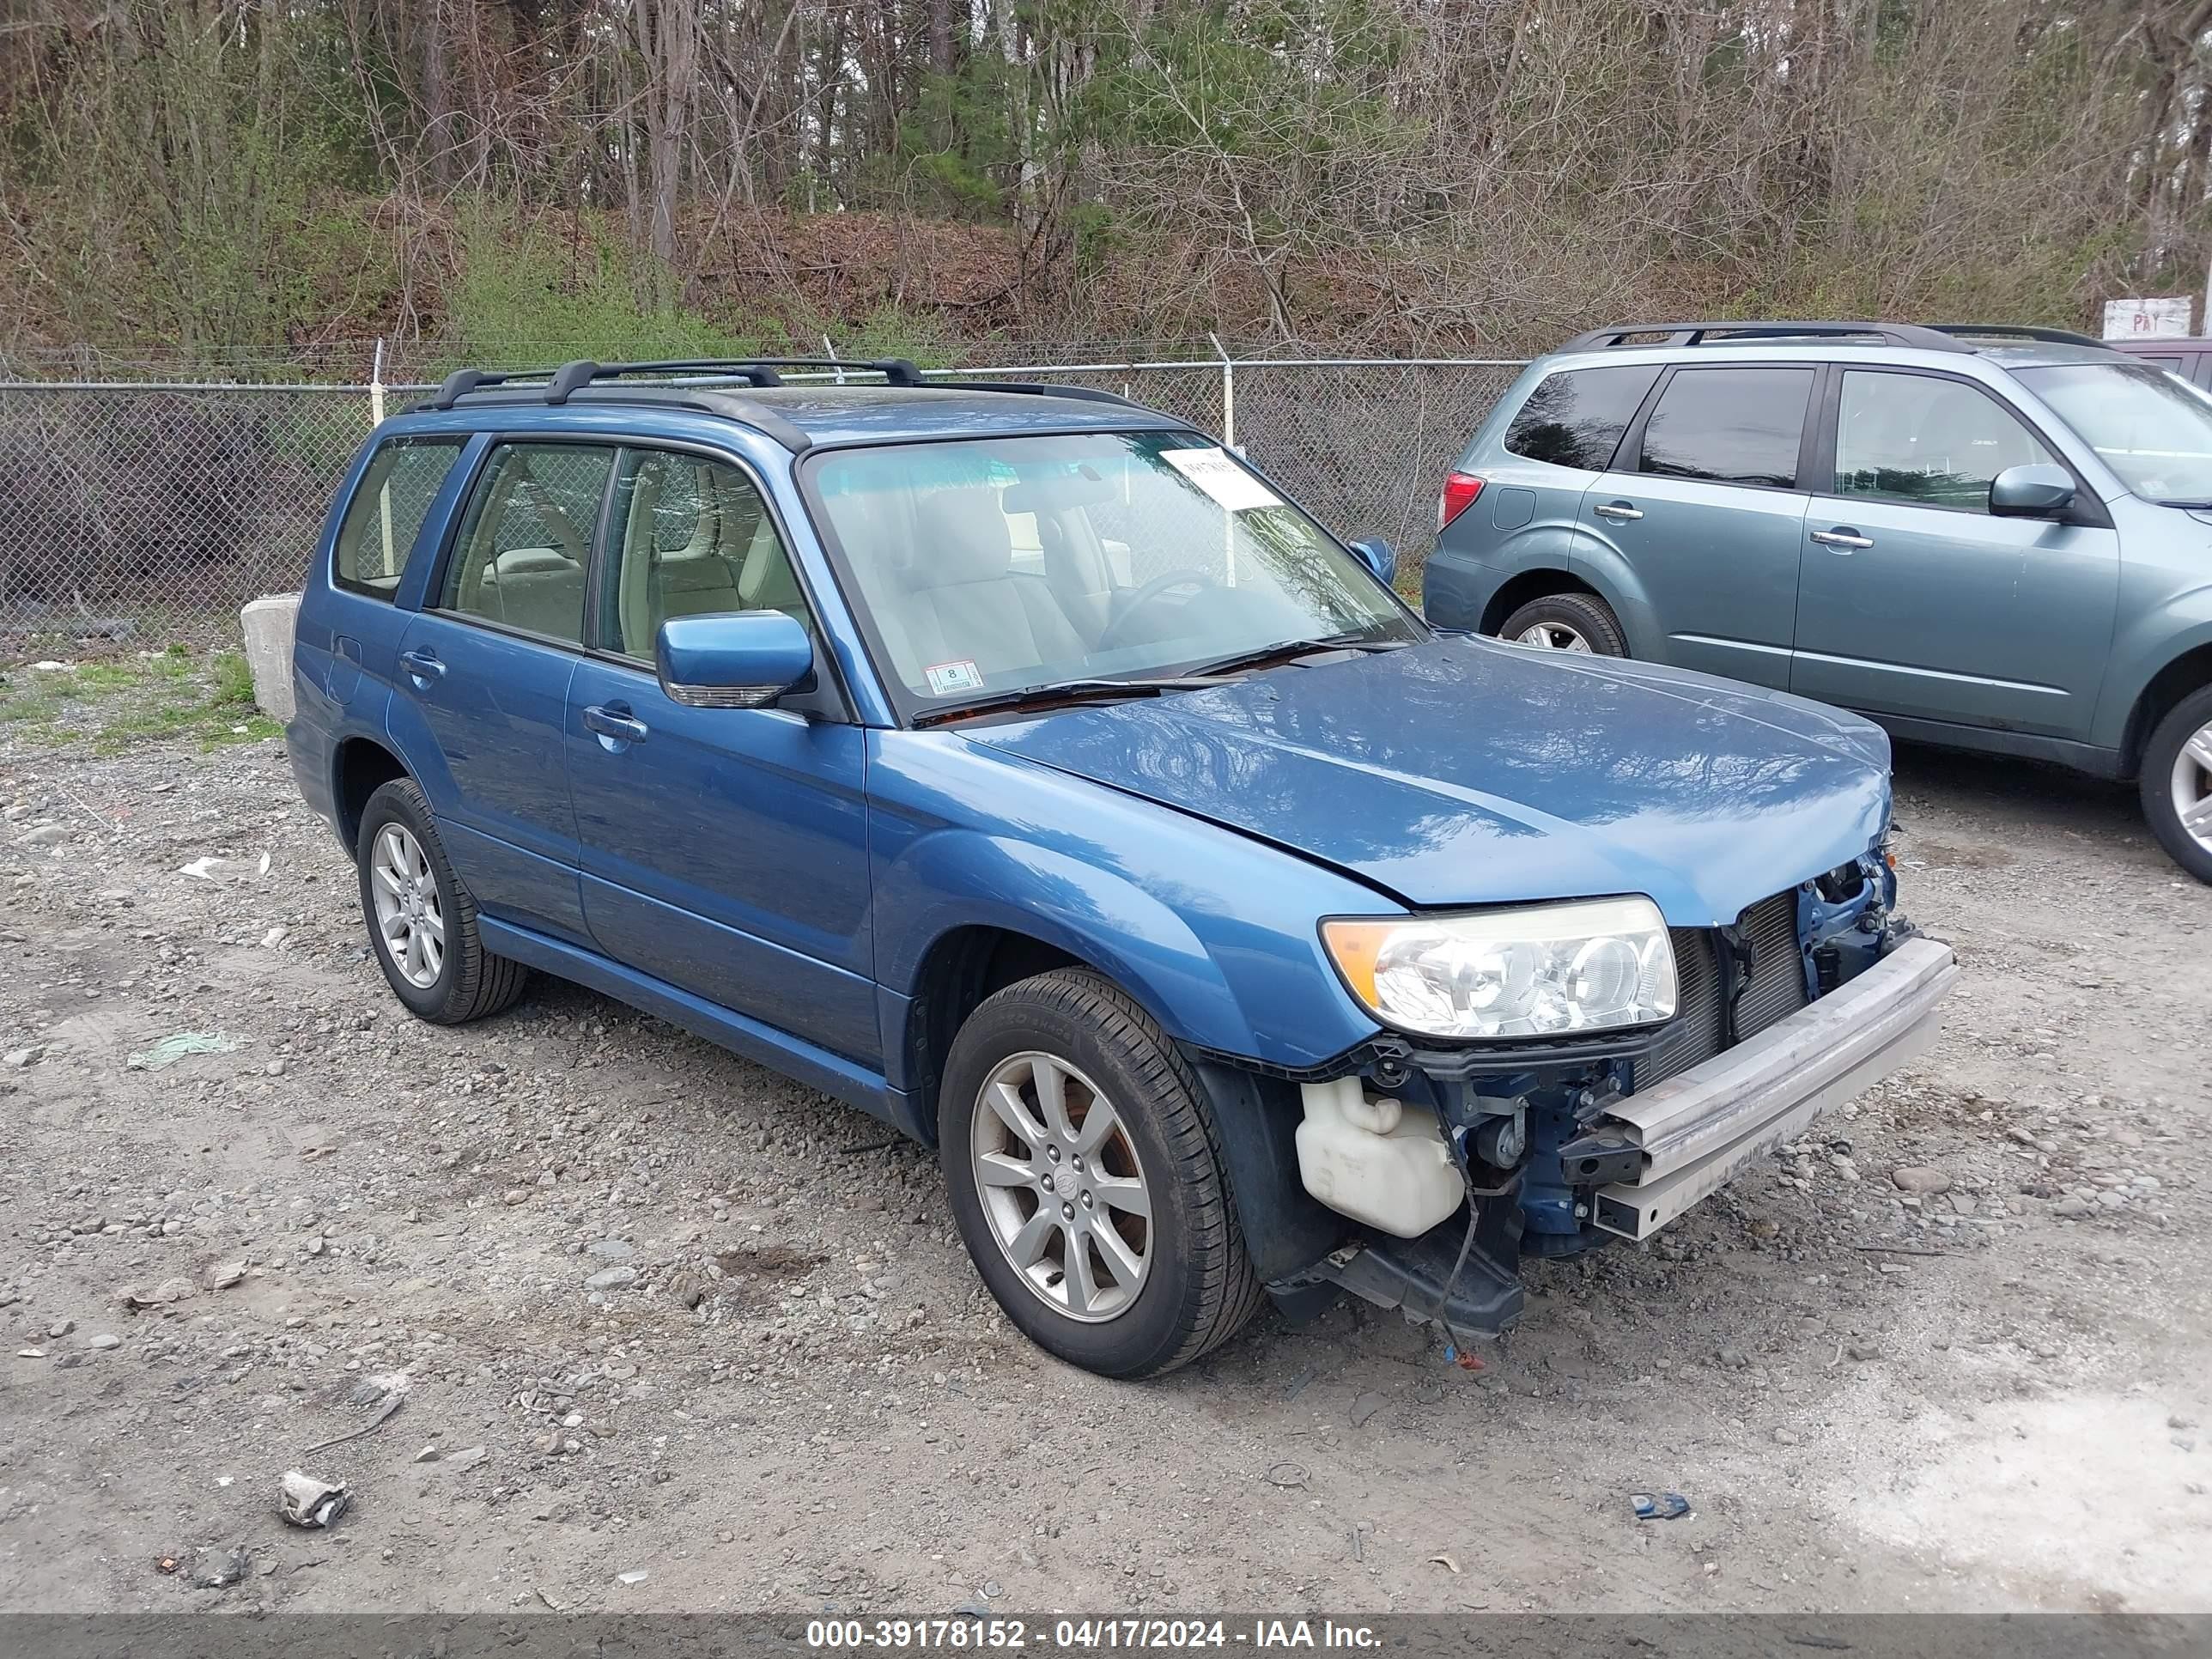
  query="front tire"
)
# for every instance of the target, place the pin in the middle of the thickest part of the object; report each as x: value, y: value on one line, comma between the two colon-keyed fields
x: 1579, y: 622
x: 1084, y: 1176
x: 422, y: 922
x: 2176, y: 783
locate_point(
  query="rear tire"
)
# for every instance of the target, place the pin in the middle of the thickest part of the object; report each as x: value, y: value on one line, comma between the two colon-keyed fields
x: 1579, y: 622
x: 1034, y: 1195
x: 422, y: 921
x: 2176, y: 783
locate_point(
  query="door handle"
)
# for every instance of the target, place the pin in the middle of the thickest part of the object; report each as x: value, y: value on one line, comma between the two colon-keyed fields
x: 1618, y: 510
x: 423, y: 664
x: 1843, y: 536
x: 614, y: 721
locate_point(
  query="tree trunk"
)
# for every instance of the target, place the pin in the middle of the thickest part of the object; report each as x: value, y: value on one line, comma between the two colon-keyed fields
x: 668, y: 36
x: 437, y: 96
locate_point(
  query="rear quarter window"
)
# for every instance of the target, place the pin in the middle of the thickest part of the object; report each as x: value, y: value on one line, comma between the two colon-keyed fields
x: 1576, y: 418
x: 387, y: 511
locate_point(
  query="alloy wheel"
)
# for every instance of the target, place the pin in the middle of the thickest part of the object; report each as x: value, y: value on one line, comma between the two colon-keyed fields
x: 1554, y: 636
x: 2192, y: 786
x: 409, y: 917
x: 1062, y: 1189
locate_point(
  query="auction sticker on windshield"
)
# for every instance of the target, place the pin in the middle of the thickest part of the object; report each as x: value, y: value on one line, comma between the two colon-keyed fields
x: 947, y: 678
x: 1219, y: 476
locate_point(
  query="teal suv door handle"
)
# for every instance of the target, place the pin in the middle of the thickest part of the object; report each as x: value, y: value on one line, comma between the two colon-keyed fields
x: 1844, y: 537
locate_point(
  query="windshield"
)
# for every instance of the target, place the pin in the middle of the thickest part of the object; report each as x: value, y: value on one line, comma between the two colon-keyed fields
x: 1005, y: 563
x: 2154, y: 429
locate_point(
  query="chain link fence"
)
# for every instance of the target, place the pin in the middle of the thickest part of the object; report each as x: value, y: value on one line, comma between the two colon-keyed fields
x: 148, y: 513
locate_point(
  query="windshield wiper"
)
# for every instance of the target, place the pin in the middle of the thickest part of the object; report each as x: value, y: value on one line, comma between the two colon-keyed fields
x: 2194, y: 506
x: 1299, y: 648
x: 1083, y: 690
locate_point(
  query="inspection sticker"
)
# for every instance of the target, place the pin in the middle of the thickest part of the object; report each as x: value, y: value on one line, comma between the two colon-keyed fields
x: 1219, y: 476
x: 947, y: 678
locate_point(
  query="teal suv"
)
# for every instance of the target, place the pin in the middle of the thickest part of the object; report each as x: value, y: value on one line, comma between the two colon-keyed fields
x: 1990, y: 537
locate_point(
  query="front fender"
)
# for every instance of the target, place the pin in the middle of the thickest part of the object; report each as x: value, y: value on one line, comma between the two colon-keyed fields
x: 2140, y: 650
x: 955, y: 879
x: 1214, y: 933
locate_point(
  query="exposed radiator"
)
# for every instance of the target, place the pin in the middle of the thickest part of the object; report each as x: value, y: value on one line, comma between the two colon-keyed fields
x: 1776, y: 991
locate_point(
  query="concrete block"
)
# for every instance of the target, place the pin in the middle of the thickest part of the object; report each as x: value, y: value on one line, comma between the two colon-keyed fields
x: 268, y: 623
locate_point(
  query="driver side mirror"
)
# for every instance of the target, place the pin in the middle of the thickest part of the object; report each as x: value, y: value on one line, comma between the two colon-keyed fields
x: 1378, y: 556
x: 2031, y: 492
x: 743, y: 659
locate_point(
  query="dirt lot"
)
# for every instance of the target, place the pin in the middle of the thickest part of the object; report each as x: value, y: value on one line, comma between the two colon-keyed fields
x: 707, y: 1328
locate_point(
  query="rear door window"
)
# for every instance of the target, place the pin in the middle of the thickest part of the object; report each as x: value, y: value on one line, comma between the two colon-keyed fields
x: 386, y: 513
x: 526, y: 540
x: 1927, y: 441
x: 1576, y: 418
x: 1737, y: 426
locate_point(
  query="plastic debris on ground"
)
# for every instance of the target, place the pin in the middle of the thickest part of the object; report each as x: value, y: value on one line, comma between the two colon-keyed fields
x: 170, y: 1049
x: 1460, y: 1357
x: 221, y: 1572
x: 308, y: 1502
x: 1666, y: 1506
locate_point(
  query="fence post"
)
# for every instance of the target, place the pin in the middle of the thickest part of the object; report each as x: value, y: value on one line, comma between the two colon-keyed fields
x: 1228, y: 393
x: 383, y: 495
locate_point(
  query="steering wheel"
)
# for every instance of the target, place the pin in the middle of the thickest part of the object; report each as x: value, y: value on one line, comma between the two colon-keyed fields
x: 1150, y: 593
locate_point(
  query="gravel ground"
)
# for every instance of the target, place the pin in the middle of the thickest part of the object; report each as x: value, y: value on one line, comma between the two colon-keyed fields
x: 668, y: 1332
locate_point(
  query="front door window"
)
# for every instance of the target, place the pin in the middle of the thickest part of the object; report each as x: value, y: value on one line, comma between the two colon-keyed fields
x: 1926, y: 441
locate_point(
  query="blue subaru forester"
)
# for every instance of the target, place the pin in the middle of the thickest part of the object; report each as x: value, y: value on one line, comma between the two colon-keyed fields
x: 1017, y: 764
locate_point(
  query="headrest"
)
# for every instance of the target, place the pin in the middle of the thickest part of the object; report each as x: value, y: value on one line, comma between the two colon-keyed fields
x: 523, y: 561
x: 960, y: 536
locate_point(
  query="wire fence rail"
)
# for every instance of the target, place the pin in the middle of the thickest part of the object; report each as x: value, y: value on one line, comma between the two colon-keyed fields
x: 148, y: 511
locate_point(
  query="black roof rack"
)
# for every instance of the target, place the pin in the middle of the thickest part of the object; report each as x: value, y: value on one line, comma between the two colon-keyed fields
x: 461, y: 382
x: 1684, y: 334
x: 2021, y: 331
x: 571, y: 378
x: 558, y: 386
x: 1043, y: 389
x: 711, y: 399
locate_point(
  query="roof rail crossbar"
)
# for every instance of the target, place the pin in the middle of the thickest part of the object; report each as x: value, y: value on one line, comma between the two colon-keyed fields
x: 461, y: 382
x: 1724, y: 333
x: 2021, y: 331
x: 571, y: 378
x: 752, y: 371
x: 1040, y: 389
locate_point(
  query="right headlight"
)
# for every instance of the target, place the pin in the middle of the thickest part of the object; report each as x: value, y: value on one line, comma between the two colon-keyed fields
x: 1546, y: 971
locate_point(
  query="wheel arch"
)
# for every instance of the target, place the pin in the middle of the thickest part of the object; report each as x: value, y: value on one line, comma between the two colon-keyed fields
x: 2187, y: 672
x: 359, y: 768
x: 956, y: 971
x: 1527, y: 585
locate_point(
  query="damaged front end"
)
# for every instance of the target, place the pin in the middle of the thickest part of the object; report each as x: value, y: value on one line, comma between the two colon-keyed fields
x: 1458, y: 1160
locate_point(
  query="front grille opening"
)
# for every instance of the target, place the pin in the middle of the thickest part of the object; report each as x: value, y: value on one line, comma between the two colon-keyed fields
x: 1777, y: 989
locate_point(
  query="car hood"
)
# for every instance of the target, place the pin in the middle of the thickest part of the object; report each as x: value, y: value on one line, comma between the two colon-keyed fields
x: 1461, y: 771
